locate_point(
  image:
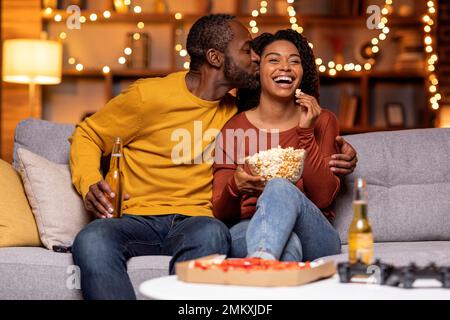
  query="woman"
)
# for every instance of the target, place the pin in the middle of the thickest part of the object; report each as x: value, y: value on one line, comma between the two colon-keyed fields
x: 277, y: 219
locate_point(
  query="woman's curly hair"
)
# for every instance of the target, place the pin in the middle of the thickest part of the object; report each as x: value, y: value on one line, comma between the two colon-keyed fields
x: 247, y: 98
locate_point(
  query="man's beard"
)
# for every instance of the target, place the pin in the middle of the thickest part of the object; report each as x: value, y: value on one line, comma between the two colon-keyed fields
x: 238, y: 77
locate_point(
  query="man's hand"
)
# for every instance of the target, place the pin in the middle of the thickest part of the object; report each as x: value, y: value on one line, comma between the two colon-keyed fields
x: 248, y: 184
x: 345, y: 162
x: 97, y: 202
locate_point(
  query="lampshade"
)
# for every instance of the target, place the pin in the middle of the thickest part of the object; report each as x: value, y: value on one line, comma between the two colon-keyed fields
x: 32, y: 61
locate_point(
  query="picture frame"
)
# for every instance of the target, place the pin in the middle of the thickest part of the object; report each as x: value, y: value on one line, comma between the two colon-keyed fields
x: 395, y: 114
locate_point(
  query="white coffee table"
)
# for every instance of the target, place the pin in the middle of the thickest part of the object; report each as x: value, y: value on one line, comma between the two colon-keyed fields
x: 170, y: 288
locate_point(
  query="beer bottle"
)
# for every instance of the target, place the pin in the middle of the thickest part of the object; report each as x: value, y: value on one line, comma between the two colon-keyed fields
x: 115, y: 178
x: 360, y: 238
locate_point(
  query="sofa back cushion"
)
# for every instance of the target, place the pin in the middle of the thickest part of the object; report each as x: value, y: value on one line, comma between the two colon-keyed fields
x: 408, y: 178
x: 44, y: 138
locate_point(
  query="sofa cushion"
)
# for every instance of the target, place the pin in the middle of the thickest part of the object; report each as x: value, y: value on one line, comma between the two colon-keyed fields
x: 404, y: 253
x: 38, y: 273
x: 17, y: 224
x: 408, y: 178
x: 47, y: 139
x: 56, y: 205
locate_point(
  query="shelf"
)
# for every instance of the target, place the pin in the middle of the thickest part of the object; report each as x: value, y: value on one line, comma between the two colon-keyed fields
x: 125, y: 73
x: 306, y: 20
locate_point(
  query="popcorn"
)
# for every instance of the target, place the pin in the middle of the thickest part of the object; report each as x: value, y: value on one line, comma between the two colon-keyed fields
x: 278, y: 163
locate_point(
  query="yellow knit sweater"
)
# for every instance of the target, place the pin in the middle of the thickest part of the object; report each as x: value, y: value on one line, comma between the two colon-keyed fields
x: 168, y: 136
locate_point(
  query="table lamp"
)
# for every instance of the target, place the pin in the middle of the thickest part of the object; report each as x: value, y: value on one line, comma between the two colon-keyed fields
x: 32, y: 62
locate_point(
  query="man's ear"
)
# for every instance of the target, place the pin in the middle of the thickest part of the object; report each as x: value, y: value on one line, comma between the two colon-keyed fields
x: 215, y: 58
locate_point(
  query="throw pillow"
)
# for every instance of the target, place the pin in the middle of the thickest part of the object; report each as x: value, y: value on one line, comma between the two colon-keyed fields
x: 17, y: 224
x: 56, y: 205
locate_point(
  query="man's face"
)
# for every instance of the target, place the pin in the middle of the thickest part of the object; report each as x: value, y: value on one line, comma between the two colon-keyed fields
x: 241, y: 63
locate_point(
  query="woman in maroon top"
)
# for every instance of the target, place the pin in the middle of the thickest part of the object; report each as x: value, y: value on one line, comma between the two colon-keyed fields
x: 277, y: 219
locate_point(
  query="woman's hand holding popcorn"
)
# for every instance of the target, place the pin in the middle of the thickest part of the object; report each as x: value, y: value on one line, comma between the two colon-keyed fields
x: 310, y: 109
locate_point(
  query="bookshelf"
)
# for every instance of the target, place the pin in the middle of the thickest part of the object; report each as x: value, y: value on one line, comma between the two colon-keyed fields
x: 367, y: 85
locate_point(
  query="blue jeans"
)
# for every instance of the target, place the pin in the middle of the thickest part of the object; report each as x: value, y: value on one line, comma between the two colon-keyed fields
x: 102, y: 248
x: 286, y: 226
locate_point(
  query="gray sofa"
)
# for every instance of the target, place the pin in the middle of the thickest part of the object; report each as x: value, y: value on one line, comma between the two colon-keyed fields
x: 408, y: 174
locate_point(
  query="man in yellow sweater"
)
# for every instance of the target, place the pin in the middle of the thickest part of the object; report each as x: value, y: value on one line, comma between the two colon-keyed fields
x: 167, y: 126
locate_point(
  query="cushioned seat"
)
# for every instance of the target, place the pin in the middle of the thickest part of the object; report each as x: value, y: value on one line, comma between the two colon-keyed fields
x: 403, y: 253
x: 38, y: 273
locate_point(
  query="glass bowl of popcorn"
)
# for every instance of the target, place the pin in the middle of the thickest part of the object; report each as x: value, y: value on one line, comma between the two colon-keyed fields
x: 278, y: 163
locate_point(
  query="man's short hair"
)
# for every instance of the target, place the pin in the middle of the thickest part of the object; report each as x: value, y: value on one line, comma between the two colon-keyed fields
x: 209, y: 32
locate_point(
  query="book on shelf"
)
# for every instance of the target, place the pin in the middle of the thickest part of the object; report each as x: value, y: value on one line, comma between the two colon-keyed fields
x: 348, y: 109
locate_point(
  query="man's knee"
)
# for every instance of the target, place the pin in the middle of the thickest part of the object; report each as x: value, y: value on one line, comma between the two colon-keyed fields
x: 95, y: 240
x: 214, y: 234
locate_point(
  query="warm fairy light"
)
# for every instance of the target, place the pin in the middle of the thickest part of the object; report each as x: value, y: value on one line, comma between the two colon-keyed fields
x: 141, y: 25
x: 79, y: 67
x: 178, y: 16
x: 428, y: 40
x: 183, y: 53
x: 127, y: 51
x: 332, y: 72
x: 122, y: 60
x: 93, y: 17
x: 186, y: 65
x: 71, y: 60
x: 58, y: 18
x: 127, y: 2
x: 137, y: 9
x: 48, y: 11
x: 136, y: 36
x: 106, y: 69
x: 63, y: 35
x: 178, y: 47
x: 339, y: 67
x: 82, y: 19
x: 295, y: 25
x: 106, y: 14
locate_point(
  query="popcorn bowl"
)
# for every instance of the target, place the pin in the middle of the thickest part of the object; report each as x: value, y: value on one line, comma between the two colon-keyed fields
x: 278, y: 163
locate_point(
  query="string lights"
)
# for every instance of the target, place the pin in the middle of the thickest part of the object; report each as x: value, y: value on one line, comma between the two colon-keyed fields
x: 93, y: 17
x: 332, y: 67
x: 431, y: 55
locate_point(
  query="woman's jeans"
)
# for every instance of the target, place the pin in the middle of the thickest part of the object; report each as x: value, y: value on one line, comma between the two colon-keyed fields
x: 286, y: 226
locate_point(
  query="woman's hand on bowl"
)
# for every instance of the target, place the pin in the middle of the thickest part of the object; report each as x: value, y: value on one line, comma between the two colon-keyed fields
x: 247, y: 183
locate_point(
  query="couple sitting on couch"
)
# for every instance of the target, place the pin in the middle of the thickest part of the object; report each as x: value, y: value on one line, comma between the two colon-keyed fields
x: 168, y: 125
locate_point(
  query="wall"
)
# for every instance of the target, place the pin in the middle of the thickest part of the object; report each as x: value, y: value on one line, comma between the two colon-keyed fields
x: 20, y: 19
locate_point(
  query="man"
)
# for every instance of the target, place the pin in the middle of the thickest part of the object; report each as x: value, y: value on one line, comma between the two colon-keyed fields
x: 170, y: 211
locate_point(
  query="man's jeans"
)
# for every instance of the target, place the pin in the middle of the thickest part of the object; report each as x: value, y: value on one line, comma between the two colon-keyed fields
x: 102, y: 248
x: 285, y: 226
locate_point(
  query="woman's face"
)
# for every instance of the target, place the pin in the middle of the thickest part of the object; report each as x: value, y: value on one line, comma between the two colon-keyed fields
x: 281, y: 69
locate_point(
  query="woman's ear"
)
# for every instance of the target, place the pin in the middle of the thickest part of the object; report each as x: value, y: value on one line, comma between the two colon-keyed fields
x: 215, y: 58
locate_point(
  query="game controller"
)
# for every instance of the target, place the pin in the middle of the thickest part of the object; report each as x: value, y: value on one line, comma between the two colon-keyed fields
x: 386, y: 274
